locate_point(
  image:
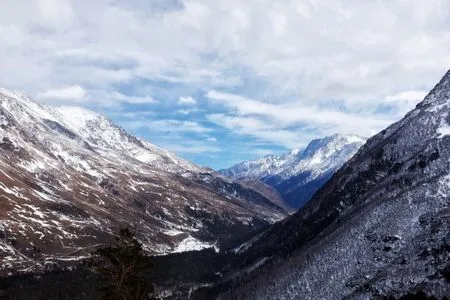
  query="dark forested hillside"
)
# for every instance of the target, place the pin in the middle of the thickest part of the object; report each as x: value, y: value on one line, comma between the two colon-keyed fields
x: 379, y: 227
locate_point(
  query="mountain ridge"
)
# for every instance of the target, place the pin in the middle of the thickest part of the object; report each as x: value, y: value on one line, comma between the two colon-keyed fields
x: 378, y: 228
x: 297, y: 174
x: 69, y: 178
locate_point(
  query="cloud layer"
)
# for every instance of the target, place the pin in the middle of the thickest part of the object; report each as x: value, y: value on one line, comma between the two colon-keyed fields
x: 273, y: 72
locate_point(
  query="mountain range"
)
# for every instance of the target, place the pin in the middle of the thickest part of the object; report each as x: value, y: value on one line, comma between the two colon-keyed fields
x: 298, y: 174
x: 379, y: 228
x: 69, y: 178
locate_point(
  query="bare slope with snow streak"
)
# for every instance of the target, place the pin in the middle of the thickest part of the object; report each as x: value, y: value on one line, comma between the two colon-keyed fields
x: 69, y: 177
x: 379, y: 227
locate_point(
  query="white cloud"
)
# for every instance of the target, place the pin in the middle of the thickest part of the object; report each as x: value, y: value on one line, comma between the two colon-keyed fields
x: 211, y: 139
x: 280, y: 123
x: 75, y: 92
x: 192, y: 147
x: 186, y: 101
x: 260, y: 130
x: 131, y: 99
x: 56, y: 12
x: 311, y: 50
x: 169, y: 126
x: 260, y: 152
x: 136, y: 115
x: 185, y: 111
x: 407, y: 96
x: 405, y: 101
x: 320, y: 66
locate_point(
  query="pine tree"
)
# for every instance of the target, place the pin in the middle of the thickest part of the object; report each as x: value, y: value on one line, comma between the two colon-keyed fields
x: 122, y: 269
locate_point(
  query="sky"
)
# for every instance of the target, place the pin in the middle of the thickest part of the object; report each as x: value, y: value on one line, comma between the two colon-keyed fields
x: 221, y: 81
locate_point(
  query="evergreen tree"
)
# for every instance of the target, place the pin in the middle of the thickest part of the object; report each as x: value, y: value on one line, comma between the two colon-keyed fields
x: 122, y: 269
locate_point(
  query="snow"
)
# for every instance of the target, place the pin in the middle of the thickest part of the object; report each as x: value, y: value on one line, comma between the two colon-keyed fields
x: 297, y: 174
x: 76, y: 117
x: 59, y: 169
x: 103, y: 133
x: 173, y: 232
x: 145, y: 156
x: 44, y: 196
x: 243, y: 247
x: 32, y: 107
x: 33, y: 166
x: 191, y: 244
x: 387, y: 238
x: 444, y: 186
x: 5, y: 174
x: 320, y: 156
x: 41, y: 223
x: 444, y: 130
x: 12, y: 191
x: 36, y: 210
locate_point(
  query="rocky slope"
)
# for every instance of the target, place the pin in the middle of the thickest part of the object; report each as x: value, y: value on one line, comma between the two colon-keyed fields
x: 269, y: 192
x: 298, y: 174
x: 379, y: 227
x: 69, y: 178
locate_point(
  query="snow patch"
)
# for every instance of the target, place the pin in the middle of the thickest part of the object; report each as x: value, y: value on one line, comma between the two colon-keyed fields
x: 444, y: 130
x: 191, y: 244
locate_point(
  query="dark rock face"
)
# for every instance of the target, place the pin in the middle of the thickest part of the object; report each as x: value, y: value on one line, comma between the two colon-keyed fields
x: 6, y: 144
x: 380, y: 227
x: 59, y: 128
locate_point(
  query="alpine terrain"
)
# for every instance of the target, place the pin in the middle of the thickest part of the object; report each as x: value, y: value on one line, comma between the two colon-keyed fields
x: 379, y: 228
x: 298, y: 174
x: 69, y: 178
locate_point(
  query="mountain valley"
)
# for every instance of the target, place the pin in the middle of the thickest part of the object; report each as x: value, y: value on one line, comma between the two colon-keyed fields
x: 379, y: 228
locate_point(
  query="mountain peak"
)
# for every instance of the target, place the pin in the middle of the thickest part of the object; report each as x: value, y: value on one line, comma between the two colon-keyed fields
x: 299, y: 173
x: 70, y: 176
x: 351, y: 138
x: 331, y: 143
x: 77, y: 118
x: 89, y: 126
x: 440, y: 93
x: 14, y: 94
x: 77, y: 113
x: 378, y: 224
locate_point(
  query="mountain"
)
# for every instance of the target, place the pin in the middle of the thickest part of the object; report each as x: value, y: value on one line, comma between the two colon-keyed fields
x: 379, y: 228
x: 267, y: 191
x: 69, y: 178
x: 298, y: 174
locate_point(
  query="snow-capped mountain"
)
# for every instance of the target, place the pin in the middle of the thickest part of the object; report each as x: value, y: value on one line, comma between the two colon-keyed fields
x: 69, y: 178
x: 100, y: 131
x: 378, y: 229
x: 298, y: 174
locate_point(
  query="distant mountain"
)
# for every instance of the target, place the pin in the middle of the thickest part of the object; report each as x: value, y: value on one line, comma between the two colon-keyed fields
x: 69, y: 178
x: 378, y: 229
x: 298, y: 174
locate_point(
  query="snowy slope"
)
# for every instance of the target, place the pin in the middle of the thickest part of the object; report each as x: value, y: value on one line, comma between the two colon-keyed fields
x: 379, y: 228
x: 320, y: 156
x: 70, y: 177
x: 100, y: 131
x: 296, y: 175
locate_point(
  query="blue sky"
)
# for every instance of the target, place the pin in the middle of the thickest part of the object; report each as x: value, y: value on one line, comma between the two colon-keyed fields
x: 223, y: 81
